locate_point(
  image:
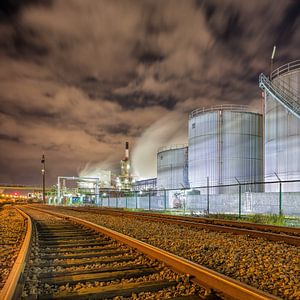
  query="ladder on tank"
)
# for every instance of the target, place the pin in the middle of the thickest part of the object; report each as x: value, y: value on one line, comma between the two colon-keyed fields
x: 284, y: 95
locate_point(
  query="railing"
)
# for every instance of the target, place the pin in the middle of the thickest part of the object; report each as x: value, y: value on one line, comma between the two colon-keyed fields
x: 282, y: 95
x: 294, y: 65
x: 286, y: 88
x: 172, y: 147
x: 231, y: 107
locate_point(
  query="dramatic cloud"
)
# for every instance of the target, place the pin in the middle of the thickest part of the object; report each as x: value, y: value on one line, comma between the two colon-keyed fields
x: 79, y: 78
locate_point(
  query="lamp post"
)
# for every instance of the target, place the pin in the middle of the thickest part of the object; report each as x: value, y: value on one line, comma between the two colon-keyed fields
x: 44, y: 175
x: 272, y: 61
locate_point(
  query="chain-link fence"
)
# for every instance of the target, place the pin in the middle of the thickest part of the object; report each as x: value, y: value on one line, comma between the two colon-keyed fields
x: 276, y: 197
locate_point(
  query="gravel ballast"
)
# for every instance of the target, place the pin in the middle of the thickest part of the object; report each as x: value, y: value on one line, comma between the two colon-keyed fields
x: 273, y: 267
x: 12, y: 233
x: 35, y: 287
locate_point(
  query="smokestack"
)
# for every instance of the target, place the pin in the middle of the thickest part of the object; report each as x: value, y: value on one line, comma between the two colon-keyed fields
x: 126, y: 151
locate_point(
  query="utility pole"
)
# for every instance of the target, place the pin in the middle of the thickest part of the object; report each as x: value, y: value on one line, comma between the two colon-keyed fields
x: 44, y: 175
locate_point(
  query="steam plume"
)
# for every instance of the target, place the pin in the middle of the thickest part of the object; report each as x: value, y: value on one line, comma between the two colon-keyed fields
x: 171, y: 129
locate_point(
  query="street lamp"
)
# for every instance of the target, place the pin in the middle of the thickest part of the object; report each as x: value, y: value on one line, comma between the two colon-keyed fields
x: 272, y: 61
x: 43, y: 174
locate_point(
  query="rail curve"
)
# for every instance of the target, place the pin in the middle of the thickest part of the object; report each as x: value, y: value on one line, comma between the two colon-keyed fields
x: 223, y: 285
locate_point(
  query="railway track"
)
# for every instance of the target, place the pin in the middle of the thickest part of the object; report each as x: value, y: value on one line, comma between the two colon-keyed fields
x: 74, y: 259
x: 12, y: 232
x: 289, y: 235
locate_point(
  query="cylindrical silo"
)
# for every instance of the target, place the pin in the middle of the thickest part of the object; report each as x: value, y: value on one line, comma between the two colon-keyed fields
x: 172, y: 167
x: 282, y: 127
x: 225, y: 146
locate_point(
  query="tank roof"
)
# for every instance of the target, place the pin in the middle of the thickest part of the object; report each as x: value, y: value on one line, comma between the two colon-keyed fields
x: 172, y: 147
x: 291, y: 66
x: 230, y: 107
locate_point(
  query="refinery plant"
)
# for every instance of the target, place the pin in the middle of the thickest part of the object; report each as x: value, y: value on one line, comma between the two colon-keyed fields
x: 228, y: 146
x: 87, y: 189
x: 231, y: 144
x: 125, y: 179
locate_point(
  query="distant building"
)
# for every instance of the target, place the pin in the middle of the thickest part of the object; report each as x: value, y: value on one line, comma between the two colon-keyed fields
x: 145, y: 184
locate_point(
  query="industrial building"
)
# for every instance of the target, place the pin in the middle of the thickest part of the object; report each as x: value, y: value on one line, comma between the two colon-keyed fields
x: 225, y: 146
x: 172, y: 167
x: 145, y: 184
x: 282, y: 124
x: 233, y: 144
x: 235, y: 161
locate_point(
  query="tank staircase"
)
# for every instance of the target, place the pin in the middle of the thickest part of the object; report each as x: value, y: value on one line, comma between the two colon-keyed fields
x: 281, y: 93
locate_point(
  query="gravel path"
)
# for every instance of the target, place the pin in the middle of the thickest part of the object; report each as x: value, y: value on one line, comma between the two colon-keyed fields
x: 270, y: 266
x: 12, y: 233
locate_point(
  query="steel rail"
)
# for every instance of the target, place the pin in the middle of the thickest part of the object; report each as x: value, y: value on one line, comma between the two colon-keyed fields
x: 208, y: 278
x: 9, y: 288
x: 292, y: 240
x: 253, y: 230
x: 240, y: 224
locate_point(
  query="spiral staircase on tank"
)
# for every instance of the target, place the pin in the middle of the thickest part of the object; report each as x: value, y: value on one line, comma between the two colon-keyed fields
x: 279, y: 90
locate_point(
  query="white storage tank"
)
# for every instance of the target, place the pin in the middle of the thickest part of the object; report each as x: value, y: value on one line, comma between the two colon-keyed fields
x: 282, y: 126
x: 172, y: 167
x: 225, y: 145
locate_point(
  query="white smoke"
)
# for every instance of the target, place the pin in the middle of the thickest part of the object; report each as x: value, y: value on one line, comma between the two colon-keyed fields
x: 169, y: 130
x: 95, y: 169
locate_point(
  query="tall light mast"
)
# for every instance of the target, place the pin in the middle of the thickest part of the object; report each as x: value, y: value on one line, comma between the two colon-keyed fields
x: 44, y: 176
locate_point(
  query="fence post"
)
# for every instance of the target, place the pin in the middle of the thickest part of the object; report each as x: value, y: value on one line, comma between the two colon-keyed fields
x: 207, y: 195
x: 184, y: 201
x: 240, y: 201
x: 149, y: 200
x: 136, y: 206
x: 165, y: 200
x: 240, y: 198
x: 101, y: 201
x: 280, y: 194
x: 117, y: 200
x: 280, y: 198
x: 126, y: 201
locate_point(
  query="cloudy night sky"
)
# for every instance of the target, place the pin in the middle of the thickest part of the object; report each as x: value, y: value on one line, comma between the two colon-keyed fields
x: 81, y: 77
